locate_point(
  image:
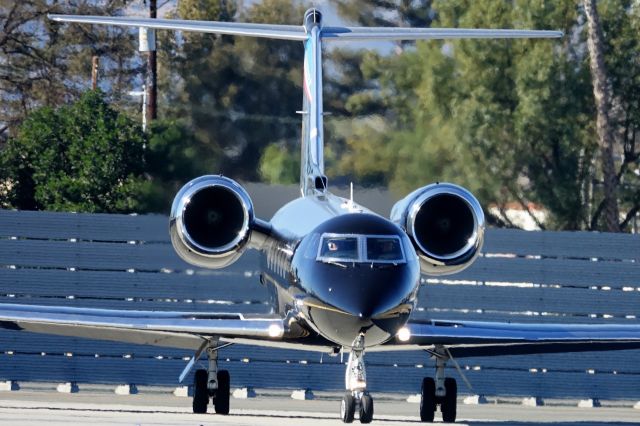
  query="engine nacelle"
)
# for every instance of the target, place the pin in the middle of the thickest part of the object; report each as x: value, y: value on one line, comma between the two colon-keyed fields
x: 445, y: 223
x: 211, y: 221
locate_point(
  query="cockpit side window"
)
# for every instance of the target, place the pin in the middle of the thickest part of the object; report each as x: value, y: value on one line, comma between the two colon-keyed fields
x: 386, y: 249
x: 361, y: 248
x: 340, y: 248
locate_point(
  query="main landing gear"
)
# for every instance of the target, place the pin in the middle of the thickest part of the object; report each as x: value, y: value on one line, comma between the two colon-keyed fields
x: 356, y: 397
x: 211, y: 383
x: 442, y: 391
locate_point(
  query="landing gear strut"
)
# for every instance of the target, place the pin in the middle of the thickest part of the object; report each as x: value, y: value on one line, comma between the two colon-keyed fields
x: 211, y: 383
x: 356, y: 398
x: 442, y: 391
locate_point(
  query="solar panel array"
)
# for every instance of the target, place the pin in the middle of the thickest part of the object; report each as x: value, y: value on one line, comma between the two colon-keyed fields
x: 127, y: 262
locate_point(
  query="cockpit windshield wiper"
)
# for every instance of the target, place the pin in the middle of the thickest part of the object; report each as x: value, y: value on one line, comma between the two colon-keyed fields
x: 385, y: 265
x: 334, y: 262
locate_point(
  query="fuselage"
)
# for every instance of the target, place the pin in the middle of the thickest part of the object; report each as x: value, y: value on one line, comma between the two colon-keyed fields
x: 341, y: 294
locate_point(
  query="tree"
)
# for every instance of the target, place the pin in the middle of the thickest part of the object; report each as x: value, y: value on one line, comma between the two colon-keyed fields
x: 239, y: 94
x: 172, y: 158
x: 403, y: 13
x: 604, y: 126
x: 352, y: 88
x: 45, y: 63
x: 279, y: 166
x: 82, y: 157
x: 620, y: 25
x: 511, y: 120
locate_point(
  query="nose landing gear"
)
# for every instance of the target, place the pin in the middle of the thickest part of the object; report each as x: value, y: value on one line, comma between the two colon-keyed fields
x: 356, y: 398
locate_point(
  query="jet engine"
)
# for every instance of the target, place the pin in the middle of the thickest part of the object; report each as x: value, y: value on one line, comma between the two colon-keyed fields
x: 211, y: 221
x: 446, y: 225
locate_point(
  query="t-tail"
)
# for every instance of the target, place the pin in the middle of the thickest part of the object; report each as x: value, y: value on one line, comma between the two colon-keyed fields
x: 312, y: 33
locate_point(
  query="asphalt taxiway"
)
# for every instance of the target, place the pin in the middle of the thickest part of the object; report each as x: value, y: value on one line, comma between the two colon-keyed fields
x: 102, y: 408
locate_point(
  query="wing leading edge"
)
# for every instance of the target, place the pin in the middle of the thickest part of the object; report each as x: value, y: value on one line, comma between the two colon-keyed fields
x: 475, y: 338
x: 185, y: 330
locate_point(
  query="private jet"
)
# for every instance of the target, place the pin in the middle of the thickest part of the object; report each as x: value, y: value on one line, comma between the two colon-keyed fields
x: 340, y: 278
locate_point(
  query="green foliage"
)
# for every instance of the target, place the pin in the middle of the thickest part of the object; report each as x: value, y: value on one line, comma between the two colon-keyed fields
x: 279, y: 166
x: 172, y: 159
x: 239, y: 94
x: 511, y: 120
x: 522, y: 108
x: 621, y: 26
x: 82, y: 157
x: 412, y: 13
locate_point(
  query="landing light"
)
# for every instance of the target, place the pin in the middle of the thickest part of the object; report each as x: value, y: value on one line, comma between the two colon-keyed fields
x: 275, y: 330
x: 404, y: 334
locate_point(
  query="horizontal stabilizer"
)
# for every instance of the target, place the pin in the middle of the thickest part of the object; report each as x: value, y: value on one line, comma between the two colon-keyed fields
x: 298, y: 32
x: 398, y: 33
x: 283, y: 32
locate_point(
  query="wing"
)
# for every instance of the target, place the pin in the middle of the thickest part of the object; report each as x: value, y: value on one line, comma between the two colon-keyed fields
x: 473, y: 338
x: 185, y: 330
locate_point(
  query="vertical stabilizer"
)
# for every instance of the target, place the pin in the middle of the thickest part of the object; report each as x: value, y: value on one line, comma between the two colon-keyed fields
x: 312, y: 177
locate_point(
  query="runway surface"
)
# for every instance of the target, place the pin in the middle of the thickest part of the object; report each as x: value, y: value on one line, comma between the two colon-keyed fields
x: 96, y: 409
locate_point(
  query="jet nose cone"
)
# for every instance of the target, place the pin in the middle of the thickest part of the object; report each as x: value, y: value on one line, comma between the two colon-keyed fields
x: 367, y: 311
x: 372, y: 302
x: 361, y: 298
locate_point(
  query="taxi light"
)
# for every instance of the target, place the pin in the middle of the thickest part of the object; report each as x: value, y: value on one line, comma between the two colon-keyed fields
x: 404, y: 334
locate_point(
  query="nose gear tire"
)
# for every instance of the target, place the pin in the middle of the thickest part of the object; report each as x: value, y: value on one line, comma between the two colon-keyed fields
x: 347, y: 408
x: 366, y: 408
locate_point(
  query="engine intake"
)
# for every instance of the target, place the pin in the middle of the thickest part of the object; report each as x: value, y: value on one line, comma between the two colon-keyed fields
x: 445, y: 223
x: 211, y: 220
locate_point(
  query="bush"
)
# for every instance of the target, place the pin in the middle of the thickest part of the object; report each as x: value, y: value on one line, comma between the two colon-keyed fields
x: 84, y: 157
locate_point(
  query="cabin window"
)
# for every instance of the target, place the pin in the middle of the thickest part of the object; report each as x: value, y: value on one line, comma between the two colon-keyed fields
x: 360, y: 248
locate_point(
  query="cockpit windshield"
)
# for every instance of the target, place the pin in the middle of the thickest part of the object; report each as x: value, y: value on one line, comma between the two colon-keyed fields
x: 339, y: 248
x: 360, y: 248
x: 384, y: 248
